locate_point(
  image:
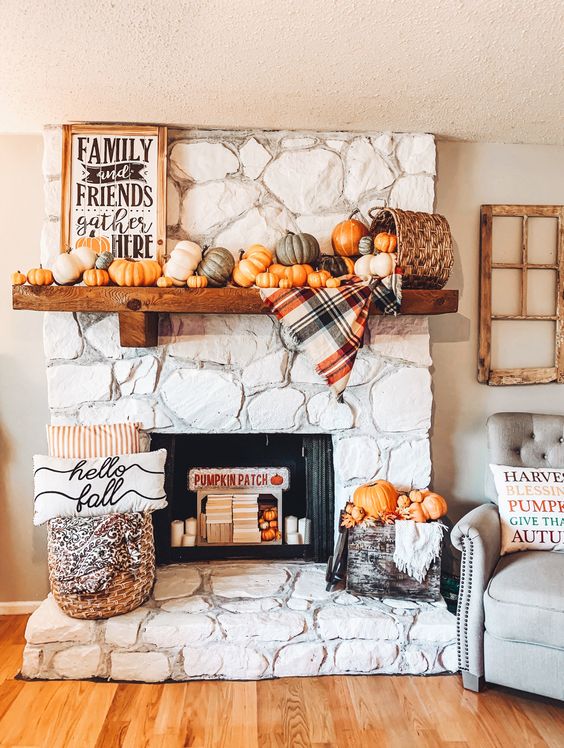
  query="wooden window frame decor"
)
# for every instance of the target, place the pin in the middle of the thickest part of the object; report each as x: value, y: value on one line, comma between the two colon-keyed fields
x: 114, y: 186
x: 538, y: 375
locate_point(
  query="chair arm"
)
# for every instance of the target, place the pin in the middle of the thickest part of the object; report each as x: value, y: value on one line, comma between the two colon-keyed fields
x: 478, y: 536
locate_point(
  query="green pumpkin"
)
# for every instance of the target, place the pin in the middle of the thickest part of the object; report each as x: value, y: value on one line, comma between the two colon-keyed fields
x: 366, y: 245
x: 104, y: 260
x: 297, y: 249
x: 216, y: 265
x: 334, y: 264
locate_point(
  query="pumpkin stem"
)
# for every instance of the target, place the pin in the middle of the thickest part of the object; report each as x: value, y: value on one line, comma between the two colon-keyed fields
x: 355, y: 211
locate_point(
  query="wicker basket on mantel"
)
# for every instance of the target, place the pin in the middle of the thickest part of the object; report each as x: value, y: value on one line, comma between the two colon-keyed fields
x: 124, y: 593
x: 424, y: 245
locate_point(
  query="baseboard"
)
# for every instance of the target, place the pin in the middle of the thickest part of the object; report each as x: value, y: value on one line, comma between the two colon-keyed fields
x: 19, y: 607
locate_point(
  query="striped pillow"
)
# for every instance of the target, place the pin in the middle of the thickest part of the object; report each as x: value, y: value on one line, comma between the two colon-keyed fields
x: 100, y: 440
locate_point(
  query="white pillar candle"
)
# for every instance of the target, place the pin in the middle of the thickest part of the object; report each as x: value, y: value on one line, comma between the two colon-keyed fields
x: 191, y: 526
x: 290, y: 524
x: 304, y: 530
x: 176, y: 533
x: 292, y: 538
x: 188, y: 540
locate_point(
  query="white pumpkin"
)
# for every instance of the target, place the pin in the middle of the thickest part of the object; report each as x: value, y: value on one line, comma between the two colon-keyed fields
x: 184, y: 260
x: 85, y: 256
x: 381, y: 264
x: 166, y: 271
x: 362, y: 266
x: 67, y: 269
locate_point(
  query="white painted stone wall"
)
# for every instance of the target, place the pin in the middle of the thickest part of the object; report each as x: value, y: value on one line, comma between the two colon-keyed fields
x: 236, y: 373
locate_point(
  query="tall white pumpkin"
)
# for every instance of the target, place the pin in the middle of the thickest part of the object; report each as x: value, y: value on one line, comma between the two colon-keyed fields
x: 184, y: 260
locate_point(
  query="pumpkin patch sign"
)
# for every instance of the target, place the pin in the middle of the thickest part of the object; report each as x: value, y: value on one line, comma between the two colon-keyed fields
x: 114, y: 180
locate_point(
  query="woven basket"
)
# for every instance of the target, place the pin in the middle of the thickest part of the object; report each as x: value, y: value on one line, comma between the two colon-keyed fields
x: 424, y: 245
x: 124, y: 592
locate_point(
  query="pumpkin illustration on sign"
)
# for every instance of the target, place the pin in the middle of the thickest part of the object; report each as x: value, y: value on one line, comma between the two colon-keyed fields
x: 97, y: 244
x: 277, y: 480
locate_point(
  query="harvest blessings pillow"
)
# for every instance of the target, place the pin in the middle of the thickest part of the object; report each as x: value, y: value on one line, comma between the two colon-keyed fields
x: 531, y: 508
x: 73, y: 487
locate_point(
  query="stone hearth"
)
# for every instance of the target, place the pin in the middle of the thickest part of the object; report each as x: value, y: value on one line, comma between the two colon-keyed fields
x: 243, y: 621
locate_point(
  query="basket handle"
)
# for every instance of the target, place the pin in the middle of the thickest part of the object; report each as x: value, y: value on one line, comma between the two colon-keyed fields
x: 373, y: 212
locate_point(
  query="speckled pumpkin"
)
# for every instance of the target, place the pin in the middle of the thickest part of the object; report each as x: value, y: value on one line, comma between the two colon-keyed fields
x: 197, y: 281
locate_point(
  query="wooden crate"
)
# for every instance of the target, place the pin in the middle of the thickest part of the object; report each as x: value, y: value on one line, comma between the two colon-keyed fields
x: 371, y: 569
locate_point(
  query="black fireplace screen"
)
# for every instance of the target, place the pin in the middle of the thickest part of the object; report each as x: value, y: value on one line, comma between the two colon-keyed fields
x: 309, y: 461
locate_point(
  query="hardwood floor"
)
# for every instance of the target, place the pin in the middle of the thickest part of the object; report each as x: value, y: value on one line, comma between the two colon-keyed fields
x: 346, y: 712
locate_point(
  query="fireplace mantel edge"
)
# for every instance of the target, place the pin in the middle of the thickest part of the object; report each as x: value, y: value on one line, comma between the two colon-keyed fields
x: 138, y: 308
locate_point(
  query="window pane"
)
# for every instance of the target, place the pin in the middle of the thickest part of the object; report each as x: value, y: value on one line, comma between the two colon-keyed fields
x: 542, y: 240
x: 506, y: 292
x: 541, y: 292
x: 507, y: 239
x: 522, y: 344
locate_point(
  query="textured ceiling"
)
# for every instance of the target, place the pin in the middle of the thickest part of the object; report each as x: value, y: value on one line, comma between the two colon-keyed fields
x: 486, y: 70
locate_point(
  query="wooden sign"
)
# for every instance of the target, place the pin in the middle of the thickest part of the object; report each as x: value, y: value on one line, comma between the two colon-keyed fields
x: 114, y: 186
x: 259, y: 478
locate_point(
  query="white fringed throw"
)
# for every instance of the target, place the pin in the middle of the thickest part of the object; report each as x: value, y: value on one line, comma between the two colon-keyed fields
x: 417, y: 545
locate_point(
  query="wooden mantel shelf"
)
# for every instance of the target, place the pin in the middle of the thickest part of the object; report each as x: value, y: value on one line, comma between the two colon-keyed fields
x: 138, y: 308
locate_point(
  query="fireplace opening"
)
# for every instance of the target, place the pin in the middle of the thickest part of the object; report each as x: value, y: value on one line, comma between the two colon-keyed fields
x: 235, y: 487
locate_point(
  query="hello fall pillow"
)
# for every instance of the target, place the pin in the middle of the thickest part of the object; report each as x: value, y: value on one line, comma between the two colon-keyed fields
x: 531, y: 508
x: 74, y: 487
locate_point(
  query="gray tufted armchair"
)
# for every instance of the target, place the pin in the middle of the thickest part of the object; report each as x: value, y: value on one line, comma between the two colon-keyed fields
x: 511, y: 608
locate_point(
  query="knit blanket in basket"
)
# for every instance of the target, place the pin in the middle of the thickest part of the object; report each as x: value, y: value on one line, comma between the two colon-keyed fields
x: 85, y: 553
x: 330, y: 322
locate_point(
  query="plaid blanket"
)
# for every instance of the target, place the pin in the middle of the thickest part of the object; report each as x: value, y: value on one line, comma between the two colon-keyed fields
x: 330, y: 322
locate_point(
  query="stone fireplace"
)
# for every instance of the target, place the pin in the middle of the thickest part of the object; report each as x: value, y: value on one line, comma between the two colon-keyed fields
x: 238, y: 374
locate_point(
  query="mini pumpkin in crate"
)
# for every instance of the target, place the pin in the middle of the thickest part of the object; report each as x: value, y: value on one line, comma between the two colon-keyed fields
x: 376, y: 498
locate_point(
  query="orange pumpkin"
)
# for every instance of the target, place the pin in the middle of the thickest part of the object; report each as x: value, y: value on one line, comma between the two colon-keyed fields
x: 376, y: 498
x: 135, y: 272
x: 384, y: 242
x: 94, y: 277
x: 197, y: 281
x: 97, y: 244
x: 259, y: 254
x: 277, y: 480
x: 278, y: 270
x: 318, y: 279
x: 273, y: 523
x: 18, y: 279
x: 346, y: 236
x: 333, y: 282
x: 270, y: 514
x: 268, y: 535
x: 266, y: 280
x: 245, y: 272
x: 40, y: 276
x: 165, y: 282
x: 298, y: 274
x: 285, y: 283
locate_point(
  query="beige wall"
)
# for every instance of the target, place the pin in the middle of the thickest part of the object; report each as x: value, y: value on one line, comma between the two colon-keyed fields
x: 471, y: 174
x: 23, y: 390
